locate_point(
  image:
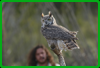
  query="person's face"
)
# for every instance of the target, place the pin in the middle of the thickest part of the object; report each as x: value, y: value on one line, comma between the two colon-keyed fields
x: 40, y: 55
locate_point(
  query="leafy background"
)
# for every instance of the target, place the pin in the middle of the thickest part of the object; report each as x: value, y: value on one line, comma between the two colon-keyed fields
x: 21, y: 30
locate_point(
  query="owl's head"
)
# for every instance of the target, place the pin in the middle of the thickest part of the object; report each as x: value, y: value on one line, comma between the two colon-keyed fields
x: 47, y: 19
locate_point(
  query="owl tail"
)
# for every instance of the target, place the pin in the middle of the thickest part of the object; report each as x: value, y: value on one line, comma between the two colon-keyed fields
x: 74, y: 33
x: 71, y: 44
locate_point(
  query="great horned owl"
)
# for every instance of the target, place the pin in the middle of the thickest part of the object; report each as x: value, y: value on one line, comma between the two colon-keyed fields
x: 56, y: 34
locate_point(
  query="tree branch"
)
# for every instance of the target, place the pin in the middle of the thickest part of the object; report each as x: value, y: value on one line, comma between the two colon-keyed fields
x: 58, y: 52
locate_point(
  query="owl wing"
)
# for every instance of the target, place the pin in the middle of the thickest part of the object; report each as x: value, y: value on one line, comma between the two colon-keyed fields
x: 57, y: 32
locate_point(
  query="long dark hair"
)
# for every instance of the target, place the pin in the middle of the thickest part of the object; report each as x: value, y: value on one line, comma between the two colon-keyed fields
x: 32, y: 60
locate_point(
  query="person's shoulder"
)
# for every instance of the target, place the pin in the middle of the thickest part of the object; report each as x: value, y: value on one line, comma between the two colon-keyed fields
x: 57, y: 64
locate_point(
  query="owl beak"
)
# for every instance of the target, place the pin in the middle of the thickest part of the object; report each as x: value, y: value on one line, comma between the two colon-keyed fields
x: 45, y: 22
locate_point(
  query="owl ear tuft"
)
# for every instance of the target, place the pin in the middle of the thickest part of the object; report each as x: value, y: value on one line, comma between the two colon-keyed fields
x: 42, y: 14
x: 50, y: 14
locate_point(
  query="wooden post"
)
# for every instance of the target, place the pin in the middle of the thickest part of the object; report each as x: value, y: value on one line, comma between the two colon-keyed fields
x: 58, y: 52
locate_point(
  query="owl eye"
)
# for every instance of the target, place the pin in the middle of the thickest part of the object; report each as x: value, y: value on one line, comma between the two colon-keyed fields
x: 49, y: 19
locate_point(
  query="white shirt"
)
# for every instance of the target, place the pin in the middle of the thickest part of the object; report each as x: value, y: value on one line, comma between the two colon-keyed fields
x: 50, y: 64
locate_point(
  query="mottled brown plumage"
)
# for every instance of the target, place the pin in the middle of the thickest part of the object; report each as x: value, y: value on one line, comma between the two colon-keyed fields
x: 58, y: 35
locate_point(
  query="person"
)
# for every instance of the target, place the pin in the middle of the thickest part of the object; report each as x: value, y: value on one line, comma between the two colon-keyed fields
x: 40, y: 56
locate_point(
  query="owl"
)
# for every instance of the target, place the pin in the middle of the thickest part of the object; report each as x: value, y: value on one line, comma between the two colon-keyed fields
x: 58, y: 35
